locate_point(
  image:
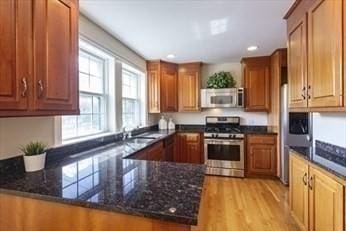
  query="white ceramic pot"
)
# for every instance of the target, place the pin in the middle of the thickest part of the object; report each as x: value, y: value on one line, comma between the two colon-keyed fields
x: 34, y: 163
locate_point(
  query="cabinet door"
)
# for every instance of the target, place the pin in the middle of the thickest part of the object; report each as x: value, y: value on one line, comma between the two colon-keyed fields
x: 142, y: 155
x: 298, y: 191
x: 56, y: 55
x: 153, y: 87
x: 156, y: 152
x: 189, y: 86
x: 325, y: 54
x: 297, y: 65
x: 15, y: 54
x: 193, y: 148
x: 326, y: 198
x: 257, y: 88
x: 180, y: 154
x: 189, y: 148
x: 169, y: 88
x: 262, y: 159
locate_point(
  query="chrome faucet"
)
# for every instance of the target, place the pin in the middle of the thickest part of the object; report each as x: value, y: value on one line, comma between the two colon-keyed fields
x: 127, y: 133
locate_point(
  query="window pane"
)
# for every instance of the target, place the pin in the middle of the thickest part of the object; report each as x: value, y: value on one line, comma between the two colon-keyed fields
x: 83, y: 82
x: 83, y: 63
x: 84, y: 125
x: 69, y: 126
x: 96, y: 104
x: 96, y: 67
x: 96, y: 84
x: 96, y: 122
x: 85, y: 104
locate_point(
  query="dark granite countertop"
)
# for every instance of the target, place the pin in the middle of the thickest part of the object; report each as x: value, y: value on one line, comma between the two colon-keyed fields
x: 102, y: 179
x: 246, y: 129
x: 308, y: 154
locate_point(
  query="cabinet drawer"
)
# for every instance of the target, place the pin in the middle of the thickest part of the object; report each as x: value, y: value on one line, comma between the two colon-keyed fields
x: 192, y: 137
x: 261, y: 139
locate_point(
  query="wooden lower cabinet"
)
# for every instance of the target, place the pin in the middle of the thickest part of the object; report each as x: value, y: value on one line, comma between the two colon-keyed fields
x: 326, y: 199
x: 299, y: 191
x: 317, y: 198
x: 189, y: 148
x: 261, y: 155
x: 155, y: 152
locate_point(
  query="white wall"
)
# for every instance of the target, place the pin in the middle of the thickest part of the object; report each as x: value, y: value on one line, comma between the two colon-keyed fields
x: 248, y: 118
x: 233, y: 68
x: 17, y: 131
x: 330, y: 128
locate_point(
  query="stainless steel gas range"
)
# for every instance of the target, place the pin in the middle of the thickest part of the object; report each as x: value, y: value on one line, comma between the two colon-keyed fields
x: 224, y: 146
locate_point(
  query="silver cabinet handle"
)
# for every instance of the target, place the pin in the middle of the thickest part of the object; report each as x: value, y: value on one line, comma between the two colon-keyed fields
x: 25, y: 87
x: 40, y: 88
x: 305, y: 178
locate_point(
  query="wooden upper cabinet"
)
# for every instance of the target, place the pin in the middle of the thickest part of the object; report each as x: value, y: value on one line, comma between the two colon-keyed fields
x: 169, y: 87
x: 15, y: 54
x: 326, y: 199
x: 189, y: 87
x: 162, y: 86
x: 256, y: 73
x: 153, y: 87
x: 297, y: 65
x: 39, y: 57
x: 56, y: 55
x: 325, y: 41
x: 299, y: 191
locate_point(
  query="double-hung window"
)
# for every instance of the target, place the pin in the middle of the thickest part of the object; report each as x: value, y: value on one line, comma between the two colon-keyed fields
x: 92, y: 98
x: 132, y: 97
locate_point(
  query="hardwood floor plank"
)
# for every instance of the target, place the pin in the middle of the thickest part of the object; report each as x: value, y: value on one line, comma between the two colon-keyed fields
x: 232, y: 204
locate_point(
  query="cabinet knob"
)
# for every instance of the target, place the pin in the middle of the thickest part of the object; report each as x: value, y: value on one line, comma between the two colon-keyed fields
x: 25, y: 87
x: 40, y: 88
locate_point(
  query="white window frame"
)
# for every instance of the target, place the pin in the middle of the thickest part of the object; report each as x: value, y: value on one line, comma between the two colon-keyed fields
x: 91, y: 49
x: 141, y: 95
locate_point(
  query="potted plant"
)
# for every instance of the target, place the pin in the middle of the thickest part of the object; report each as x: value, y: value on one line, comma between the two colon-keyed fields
x: 221, y: 79
x: 34, y: 156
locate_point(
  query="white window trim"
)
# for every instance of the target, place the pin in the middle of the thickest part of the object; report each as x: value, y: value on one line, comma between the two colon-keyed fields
x: 141, y: 94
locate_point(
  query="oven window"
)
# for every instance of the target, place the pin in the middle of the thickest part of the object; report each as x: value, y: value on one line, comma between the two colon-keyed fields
x: 221, y: 99
x: 224, y: 152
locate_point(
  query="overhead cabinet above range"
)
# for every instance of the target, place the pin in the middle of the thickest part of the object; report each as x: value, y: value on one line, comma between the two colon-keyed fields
x: 39, y: 53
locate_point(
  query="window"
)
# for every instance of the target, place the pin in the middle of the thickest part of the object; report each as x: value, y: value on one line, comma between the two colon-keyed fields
x: 92, y: 98
x: 132, y: 97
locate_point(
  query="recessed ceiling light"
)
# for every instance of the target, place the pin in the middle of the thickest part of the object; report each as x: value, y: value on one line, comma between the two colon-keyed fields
x: 170, y: 56
x: 252, y: 48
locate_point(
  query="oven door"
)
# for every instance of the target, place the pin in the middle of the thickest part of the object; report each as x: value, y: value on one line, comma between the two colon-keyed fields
x: 224, y: 153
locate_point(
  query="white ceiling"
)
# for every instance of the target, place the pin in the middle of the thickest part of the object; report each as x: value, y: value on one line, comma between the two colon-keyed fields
x: 212, y: 31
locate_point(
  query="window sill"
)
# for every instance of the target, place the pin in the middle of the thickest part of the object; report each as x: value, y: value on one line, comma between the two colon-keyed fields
x: 86, y: 138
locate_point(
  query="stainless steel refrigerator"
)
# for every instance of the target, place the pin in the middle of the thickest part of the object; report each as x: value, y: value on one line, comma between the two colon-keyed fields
x: 290, y: 139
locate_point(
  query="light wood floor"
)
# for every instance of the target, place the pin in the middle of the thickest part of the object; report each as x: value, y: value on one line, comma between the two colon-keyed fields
x: 231, y: 204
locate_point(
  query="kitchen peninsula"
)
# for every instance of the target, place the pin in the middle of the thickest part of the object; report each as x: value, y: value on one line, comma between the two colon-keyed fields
x: 103, y: 188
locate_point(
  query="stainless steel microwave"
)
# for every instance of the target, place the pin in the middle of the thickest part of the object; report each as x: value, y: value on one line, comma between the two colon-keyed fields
x: 226, y: 97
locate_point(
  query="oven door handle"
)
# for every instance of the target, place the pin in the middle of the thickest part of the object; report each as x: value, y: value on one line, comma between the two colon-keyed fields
x: 223, y: 142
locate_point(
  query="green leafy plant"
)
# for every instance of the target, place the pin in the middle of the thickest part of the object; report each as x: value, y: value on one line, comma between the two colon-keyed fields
x: 33, y: 148
x: 221, y: 79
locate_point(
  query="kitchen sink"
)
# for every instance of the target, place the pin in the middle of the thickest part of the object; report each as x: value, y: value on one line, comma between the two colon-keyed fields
x: 140, y: 140
x: 149, y: 135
